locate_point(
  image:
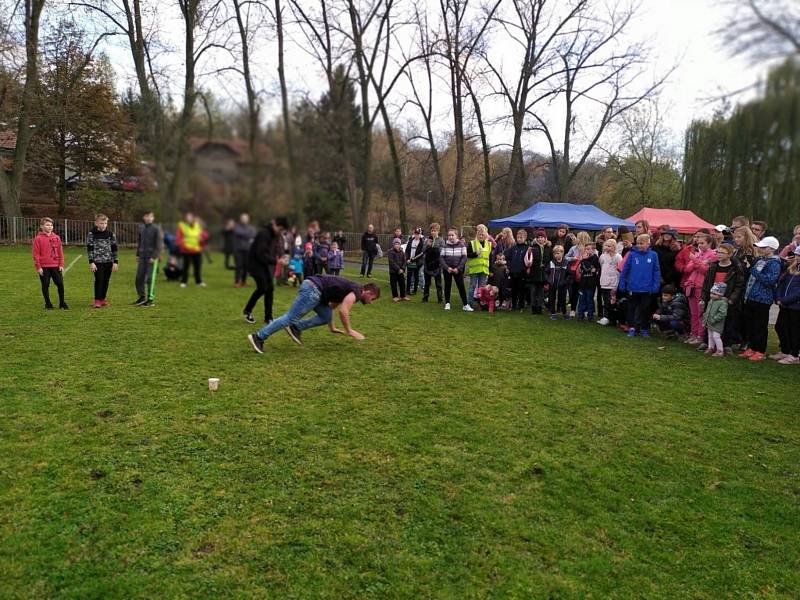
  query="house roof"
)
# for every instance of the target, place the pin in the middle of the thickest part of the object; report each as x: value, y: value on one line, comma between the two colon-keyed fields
x: 238, y: 147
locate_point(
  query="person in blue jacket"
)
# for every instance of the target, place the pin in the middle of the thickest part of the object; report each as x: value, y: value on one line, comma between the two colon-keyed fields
x: 787, y: 296
x: 641, y: 276
x: 759, y: 296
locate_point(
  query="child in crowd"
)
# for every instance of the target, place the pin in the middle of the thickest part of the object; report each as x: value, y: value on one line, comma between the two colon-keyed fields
x: 728, y: 270
x: 758, y: 297
x: 432, y: 266
x: 672, y: 312
x: 48, y: 260
x: 714, y: 319
x: 641, y: 277
x: 589, y: 269
x: 787, y: 326
x: 296, y: 266
x: 499, y: 278
x: 309, y: 264
x: 321, y: 250
x: 172, y: 270
x: 397, y: 270
x: 479, y: 252
x: 559, y: 278
x: 609, y: 279
x: 537, y: 260
x: 515, y: 258
x: 695, y: 272
x: 415, y: 254
x: 335, y: 259
x: 101, y: 248
x: 453, y: 258
x: 574, y: 256
x: 487, y: 297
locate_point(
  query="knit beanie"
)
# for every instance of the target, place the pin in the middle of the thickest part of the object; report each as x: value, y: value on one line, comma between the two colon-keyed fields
x: 719, y: 288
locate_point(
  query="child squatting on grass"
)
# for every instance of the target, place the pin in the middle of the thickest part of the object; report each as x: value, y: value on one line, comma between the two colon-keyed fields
x: 101, y: 249
x: 48, y: 260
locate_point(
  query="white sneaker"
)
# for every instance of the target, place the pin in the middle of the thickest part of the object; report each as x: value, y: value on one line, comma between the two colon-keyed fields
x: 572, y: 314
x: 447, y: 306
x: 183, y: 285
x: 468, y: 308
x: 603, y: 321
x: 202, y: 284
x: 778, y: 356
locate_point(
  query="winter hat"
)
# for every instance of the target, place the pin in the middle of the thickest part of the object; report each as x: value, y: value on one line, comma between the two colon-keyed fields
x: 397, y: 241
x: 540, y: 232
x: 768, y: 242
x: 309, y: 246
x: 719, y: 288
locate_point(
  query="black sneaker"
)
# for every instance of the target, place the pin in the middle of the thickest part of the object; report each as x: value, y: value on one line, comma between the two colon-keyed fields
x: 63, y: 306
x: 249, y: 317
x: 139, y: 301
x: 257, y: 344
x: 147, y: 303
x: 48, y: 307
x: 295, y: 334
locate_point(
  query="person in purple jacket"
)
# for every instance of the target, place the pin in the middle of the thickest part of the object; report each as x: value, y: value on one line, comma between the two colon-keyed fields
x: 641, y: 276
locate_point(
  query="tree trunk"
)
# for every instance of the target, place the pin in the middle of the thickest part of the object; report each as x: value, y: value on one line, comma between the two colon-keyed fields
x: 485, y: 152
x: 287, y: 124
x: 397, y: 168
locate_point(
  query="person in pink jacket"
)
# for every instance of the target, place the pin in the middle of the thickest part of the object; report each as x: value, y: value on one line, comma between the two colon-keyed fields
x: 788, y: 249
x: 694, y: 273
x: 48, y: 260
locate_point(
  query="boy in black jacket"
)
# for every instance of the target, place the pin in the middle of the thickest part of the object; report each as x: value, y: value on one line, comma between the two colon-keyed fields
x: 515, y: 258
x: 673, y: 311
x: 590, y: 276
x: 265, y: 252
x: 101, y: 248
x: 397, y: 270
x: 560, y: 279
x: 540, y: 255
x: 433, y: 268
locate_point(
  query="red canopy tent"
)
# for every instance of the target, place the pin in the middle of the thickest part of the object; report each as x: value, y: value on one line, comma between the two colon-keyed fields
x: 682, y: 221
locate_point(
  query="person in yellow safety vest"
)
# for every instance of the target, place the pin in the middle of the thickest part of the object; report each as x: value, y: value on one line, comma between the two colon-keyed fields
x: 479, y: 253
x: 189, y: 238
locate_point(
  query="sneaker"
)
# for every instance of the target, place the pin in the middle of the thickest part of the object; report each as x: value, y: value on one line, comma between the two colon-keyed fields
x: 728, y: 351
x: 468, y: 308
x: 406, y: 299
x: 644, y: 333
x: 708, y: 351
x: 447, y: 306
x: 702, y: 347
x: 257, y: 344
x: 139, y: 300
x: 695, y: 341
x: 148, y: 304
x: 248, y: 317
x: 183, y: 285
x: 424, y: 299
x: 778, y: 356
x: 553, y: 317
x: 97, y: 304
x: 295, y: 334
x: 104, y: 302
x: 572, y: 314
x: 746, y: 354
x: 603, y: 321
x: 202, y: 284
x: 63, y: 306
x: 789, y: 360
x: 567, y: 318
x: 632, y: 332
x: 756, y: 356
x: 718, y: 354
x: 48, y: 307
x: 395, y: 299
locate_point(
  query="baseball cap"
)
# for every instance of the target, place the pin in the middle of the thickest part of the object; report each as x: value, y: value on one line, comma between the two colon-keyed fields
x: 722, y: 228
x: 768, y: 242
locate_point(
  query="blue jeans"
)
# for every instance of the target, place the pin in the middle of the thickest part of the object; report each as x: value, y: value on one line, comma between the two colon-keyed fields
x: 586, y: 303
x: 307, y: 299
x: 475, y: 282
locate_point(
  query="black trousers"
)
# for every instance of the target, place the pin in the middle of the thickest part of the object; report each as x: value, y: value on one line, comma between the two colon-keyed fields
x: 264, y: 287
x: 192, y: 259
x: 756, y: 319
x: 517, y: 291
x: 537, y: 296
x: 448, y: 286
x: 639, y: 310
x: 412, y: 281
x: 732, y: 333
x: 366, y: 263
x: 788, y: 329
x: 53, y: 273
x: 228, y: 257
x: 604, y: 308
x: 334, y: 272
x: 397, y: 281
x: 102, y: 277
x: 240, y: 266
x: 435, y: 278
x: 557, y: 300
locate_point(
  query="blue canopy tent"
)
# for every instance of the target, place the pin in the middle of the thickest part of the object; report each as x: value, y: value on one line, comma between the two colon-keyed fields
x: 553, y: 214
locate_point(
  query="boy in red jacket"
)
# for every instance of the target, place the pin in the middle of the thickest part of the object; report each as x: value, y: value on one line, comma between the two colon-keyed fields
x: 48, y: 259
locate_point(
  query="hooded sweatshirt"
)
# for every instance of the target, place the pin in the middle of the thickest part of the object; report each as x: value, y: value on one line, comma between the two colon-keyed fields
x: 641, y: 273
x: 515, y: 259
x: 788, y: 291
x: 47, y: 251
x: 763, y: 278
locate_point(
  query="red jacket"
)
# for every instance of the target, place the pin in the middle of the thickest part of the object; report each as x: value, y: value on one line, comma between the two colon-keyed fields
x: 486, y: 298
x: 47, y: 251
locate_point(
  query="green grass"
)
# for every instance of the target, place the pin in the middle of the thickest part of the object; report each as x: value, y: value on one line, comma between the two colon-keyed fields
x: 448, y: 455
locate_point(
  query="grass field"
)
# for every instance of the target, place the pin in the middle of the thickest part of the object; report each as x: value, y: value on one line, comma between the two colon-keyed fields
x: 448, y: 455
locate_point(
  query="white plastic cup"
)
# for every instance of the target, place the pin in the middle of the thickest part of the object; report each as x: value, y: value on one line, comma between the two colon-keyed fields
x: 213, y: 383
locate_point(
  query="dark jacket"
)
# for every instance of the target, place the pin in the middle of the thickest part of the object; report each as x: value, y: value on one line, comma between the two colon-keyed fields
x: 101, y: 246
x: 666, y: 262
x: 321, y: 251
x: 341, y: 240
x: 419, y: 255
x: 788, y: 291
x: 565, y: 242
x: 590, y: 272
x: 397, y: 260
x: 676, y: 310
x: 515, y: 259
x: 734, y: 281
x: 150, y: 241
x: 540, y: 259
x: 499, y: 276
x: 433, y: 249
x: 369, y: 243
x: 558, y: 274
x: 265, y: 250
x: 243, y: 236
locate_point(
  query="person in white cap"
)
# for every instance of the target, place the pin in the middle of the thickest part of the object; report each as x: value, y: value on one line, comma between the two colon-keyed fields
x: 759, y: 296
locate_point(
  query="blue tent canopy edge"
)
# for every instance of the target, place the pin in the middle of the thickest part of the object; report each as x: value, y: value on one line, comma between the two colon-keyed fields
x: 553, y: 214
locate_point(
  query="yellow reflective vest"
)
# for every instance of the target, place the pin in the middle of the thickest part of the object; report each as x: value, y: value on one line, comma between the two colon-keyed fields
x: 189, y: 237
x: 480, y: 264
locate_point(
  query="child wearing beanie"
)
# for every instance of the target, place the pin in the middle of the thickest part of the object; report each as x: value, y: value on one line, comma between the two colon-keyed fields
x: 714, y: 319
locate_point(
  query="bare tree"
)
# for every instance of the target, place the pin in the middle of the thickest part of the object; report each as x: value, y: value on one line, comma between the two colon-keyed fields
x: 11, y: 184
x: 287, y: 124
x: 763, y: 29
x: 597, y: 70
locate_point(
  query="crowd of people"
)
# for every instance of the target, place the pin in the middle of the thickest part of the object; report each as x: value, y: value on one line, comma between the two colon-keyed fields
x: 714, y: 291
